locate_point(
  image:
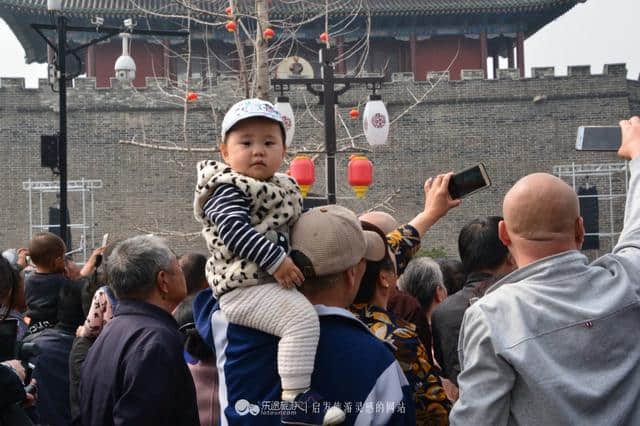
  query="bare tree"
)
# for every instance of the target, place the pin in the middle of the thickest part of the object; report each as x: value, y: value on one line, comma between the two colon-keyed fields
x: 253, y: 60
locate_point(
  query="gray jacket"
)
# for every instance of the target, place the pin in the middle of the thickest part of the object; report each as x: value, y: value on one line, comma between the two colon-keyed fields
x: 556, y: 342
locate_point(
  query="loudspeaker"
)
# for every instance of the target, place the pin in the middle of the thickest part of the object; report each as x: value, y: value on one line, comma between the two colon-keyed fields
x: 314, y: 200
x: 49, y: 151
x: 54, y: 219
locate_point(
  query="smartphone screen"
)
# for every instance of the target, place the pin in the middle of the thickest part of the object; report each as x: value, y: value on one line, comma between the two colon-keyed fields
x: 468, y: 181
x: 599, y: 138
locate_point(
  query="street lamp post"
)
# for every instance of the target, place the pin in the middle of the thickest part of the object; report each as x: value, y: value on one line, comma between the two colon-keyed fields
x: 60, y: 73
x: 328, y: 96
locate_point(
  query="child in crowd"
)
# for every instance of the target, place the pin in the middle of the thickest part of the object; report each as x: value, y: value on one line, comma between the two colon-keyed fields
x: 42, y: 286
x: 246, y: 209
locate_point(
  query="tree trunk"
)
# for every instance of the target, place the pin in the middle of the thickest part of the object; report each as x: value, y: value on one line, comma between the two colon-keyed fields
x: 242, y: 66
x: 261, y: 82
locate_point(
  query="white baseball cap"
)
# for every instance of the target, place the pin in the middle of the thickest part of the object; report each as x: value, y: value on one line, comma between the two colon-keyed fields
x: 251, y: 108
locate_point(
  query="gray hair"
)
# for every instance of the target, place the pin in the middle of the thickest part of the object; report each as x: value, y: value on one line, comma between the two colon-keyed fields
x: 421, y: 279
x: 134, y: 264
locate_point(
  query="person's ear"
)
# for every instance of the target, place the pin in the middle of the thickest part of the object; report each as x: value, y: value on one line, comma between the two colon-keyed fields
x: 579, y: 232
x: 503, y: 233
x: 383, y: 279
x: 60, y: 263
x: 162, y: 283
x: 224, y: 151
x: 350, y: 276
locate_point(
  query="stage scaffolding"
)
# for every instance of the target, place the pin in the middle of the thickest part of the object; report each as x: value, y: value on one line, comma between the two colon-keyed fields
x: 86, y: 188
x: 612, y: 180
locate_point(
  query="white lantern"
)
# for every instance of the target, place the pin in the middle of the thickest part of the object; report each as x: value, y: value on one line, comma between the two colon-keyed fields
x: 284, y: 108
x: 375, y: 121
x: 54, y: 5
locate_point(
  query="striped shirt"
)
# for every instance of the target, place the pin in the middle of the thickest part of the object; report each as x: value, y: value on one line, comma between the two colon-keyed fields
x: 229, y: 208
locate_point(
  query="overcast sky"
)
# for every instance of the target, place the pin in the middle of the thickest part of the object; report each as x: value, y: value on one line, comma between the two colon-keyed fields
x: 593, y: 33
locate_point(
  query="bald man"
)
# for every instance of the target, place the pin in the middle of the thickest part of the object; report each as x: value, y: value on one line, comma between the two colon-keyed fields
x: 554, y: 343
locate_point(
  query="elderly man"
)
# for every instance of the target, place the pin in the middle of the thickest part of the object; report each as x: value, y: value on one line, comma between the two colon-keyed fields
x: 352, y: 366
x: 552, y: 343
x: 135, y: 373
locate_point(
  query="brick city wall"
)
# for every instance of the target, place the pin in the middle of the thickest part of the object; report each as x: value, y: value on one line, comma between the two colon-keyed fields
x: 514, y: 126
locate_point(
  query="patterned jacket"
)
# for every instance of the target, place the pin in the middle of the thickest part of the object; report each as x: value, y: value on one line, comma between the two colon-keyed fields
x: 432, y: 405
x: 274, y: 203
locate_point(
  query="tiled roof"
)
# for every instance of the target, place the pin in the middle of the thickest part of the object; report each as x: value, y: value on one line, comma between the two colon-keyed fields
x: 422, y: 7
x: 300, y: 7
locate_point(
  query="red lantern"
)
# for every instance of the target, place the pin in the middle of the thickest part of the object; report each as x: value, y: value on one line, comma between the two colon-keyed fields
x: 360, y: 173
x: 303, y: 171
x: 324, y: 37
x: 354, y: 113
x: 229, y: 11
x: 231, y: 26
x: 268, y: 33
x: 192, y: 96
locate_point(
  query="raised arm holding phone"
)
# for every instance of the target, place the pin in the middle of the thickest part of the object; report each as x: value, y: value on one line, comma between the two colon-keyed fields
x: 550, y: 342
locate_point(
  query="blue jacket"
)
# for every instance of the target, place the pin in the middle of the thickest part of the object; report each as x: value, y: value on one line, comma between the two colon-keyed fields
x: 352, y: 367
x: 135, y: 373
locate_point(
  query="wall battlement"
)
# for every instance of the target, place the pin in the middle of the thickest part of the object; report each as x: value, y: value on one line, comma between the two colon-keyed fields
x: 219, y: 94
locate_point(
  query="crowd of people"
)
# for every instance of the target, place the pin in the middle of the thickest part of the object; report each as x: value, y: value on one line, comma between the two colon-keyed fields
x: 320, y: 317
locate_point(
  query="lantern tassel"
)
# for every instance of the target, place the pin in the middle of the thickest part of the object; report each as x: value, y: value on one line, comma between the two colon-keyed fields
x: 304, y: 190
x: 360, y: 190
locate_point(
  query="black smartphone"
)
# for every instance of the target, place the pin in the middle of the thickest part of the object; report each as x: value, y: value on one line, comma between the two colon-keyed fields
x: 469, y: 181
x: 599, y: 138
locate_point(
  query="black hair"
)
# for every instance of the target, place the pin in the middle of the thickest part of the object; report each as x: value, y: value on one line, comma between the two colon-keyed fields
x: 479, y: 246
x: 193, y: 267
x: 452, y: 274
x: 372, y: 271
x: 193, y: 344
x: 9, y: 285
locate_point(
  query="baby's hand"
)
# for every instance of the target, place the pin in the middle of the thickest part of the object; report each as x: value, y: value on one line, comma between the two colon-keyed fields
x: 288, y: 274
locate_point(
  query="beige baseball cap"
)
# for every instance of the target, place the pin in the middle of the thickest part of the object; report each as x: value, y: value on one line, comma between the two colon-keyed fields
x: 382, y: 220
x: 387, y: 224
x: 332, y: 240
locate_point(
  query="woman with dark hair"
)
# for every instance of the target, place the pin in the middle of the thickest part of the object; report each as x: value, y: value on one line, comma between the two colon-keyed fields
x: 98, y: 304
x: 370, y: 306
x: 12, y: 303
x: 12, y: 394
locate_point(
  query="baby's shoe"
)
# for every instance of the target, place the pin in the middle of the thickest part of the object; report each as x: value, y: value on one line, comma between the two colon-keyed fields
x: 309, y: 408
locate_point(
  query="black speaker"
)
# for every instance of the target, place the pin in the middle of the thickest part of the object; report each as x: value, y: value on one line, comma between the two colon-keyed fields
x: 49, y: 151
x: 54, y: 219
x: 314, y: 200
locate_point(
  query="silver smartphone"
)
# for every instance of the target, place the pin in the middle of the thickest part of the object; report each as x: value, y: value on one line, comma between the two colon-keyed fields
x: 468, y: 181
x: 105, y: 240
x: 599, y: 138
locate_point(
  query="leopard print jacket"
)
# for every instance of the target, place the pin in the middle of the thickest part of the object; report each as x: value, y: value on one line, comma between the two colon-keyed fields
x: 275, y: 203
